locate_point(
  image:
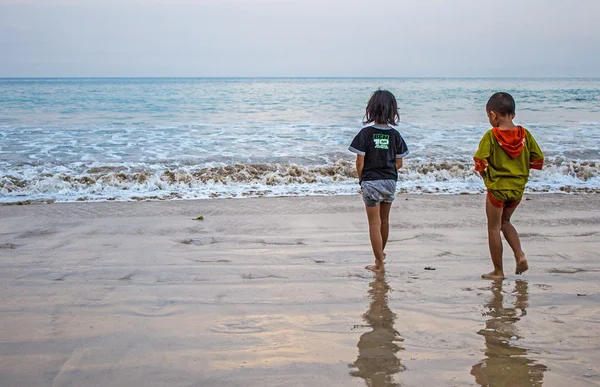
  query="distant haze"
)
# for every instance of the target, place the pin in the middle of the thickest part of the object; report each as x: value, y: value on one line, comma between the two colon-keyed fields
x: 370, y: 38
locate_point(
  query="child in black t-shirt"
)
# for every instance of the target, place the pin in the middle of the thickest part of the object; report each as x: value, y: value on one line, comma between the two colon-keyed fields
x: 379, y: 151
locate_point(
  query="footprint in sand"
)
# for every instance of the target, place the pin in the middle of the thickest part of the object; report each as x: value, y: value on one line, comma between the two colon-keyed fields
x: 199, y: 241
x: 570, y: 270
x: 275, y: 243
x: 210, y: 260
x: 254, y: 276
x: 431, y: 237
x: 62, y: 277
x: 128, y: 277
x: 36, y: 233
x: 534, y: 236
x: 357, y: 275
x: 430, y: 340
x: 585, y: 234
x: 160, y: 308
x: 239, y: 326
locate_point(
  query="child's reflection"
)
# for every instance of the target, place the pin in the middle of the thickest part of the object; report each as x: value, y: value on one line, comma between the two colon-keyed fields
x: 377, y: 361
x: 505, y: 363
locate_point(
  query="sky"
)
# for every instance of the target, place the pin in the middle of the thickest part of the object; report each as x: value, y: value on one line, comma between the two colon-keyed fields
x: 299, y: 38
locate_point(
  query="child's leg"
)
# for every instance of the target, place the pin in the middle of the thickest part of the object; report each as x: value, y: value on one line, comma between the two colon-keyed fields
x: 384, y: 214
x: 494, y: 220
x: 512, y: 237
x: 373, y: 214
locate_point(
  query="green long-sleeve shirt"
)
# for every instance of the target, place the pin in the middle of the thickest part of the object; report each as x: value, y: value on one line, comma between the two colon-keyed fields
x: 501, y: 170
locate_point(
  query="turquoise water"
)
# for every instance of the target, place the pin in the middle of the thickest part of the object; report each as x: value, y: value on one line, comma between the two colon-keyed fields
x: 172, y: 138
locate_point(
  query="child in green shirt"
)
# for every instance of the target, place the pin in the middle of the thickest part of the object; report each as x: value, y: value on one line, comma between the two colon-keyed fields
x: 506, y: 154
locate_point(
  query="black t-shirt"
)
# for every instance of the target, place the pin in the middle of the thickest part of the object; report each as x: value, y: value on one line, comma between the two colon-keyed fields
x: 381, y: 147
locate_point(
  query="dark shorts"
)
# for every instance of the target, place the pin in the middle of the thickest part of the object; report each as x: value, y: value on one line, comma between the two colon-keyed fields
x: 505, y: 198
x: 377, y: 191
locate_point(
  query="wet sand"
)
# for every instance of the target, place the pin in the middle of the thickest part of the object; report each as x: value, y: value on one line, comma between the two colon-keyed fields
x: 273, y: 292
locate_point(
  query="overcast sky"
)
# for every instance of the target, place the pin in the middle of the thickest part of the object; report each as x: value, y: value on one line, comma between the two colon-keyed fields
x: 395, y: 38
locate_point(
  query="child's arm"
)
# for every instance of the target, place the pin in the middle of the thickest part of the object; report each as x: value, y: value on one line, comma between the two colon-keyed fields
x: 398, y: 163
x: 359, y: 146
x: 536, y: 157
x: 480, y: 166
x: 360, y: 164
x: 401, y: 151
x: 483, y: 152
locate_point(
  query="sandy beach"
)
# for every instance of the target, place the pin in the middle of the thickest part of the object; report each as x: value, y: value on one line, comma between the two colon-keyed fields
x: 273, y: 292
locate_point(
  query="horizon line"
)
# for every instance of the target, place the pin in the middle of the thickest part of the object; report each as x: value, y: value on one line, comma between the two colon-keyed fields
x: 299, y: 77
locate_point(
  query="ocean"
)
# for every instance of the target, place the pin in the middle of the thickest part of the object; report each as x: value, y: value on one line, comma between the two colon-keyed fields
x: 85, y: 139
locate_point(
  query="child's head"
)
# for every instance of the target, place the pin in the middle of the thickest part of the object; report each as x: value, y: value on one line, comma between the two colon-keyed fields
x: 382, y: 109
x: 500, y: 107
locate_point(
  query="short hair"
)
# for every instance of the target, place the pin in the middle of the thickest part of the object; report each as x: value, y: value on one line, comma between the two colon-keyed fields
x: 382, y: 108
x: 501, y: 103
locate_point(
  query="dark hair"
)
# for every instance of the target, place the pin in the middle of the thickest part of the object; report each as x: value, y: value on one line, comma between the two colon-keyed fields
x: 501, y: 103
x: 382, y: 108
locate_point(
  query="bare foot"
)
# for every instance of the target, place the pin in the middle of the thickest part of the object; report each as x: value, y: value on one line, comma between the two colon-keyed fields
x: 522, y: 265
x: 493, y: 275
x: 375, y: 268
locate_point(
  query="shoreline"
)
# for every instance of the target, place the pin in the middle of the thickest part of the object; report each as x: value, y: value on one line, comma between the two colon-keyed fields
x: 273, y: 291
x: 155, y: 199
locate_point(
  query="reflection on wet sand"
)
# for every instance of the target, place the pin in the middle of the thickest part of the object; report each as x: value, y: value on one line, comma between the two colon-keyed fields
x: 505, y: 363
x: 377, y: 361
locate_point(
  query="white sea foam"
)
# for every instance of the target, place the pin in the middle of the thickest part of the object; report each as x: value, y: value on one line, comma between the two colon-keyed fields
x: 138, y: 181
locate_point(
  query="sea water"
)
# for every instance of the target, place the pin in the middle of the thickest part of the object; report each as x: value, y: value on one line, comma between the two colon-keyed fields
x: 83, y: 139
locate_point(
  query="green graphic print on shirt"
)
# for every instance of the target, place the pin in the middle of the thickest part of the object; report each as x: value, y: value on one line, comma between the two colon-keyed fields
x: 382, y: 141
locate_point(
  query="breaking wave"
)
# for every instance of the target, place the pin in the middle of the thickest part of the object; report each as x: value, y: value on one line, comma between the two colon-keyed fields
x: 125, y: 182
